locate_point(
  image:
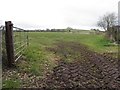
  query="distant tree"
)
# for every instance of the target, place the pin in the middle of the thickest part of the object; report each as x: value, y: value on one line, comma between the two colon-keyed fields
x: 47, y: 30
x: 69, y: 29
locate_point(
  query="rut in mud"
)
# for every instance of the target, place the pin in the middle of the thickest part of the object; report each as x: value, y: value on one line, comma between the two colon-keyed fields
x: 86, y: 69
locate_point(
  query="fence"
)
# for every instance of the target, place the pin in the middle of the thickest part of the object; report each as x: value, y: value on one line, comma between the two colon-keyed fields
x: 14, y: 41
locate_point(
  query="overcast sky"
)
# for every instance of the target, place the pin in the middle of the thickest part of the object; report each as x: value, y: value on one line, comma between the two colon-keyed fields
x: 34, y: 14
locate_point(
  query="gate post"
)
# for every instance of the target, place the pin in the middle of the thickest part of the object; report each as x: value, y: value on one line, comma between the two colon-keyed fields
x: 9, y: 42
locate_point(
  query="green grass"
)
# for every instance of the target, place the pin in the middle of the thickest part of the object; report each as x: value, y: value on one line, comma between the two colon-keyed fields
x: 11, y: 84
x: 95, y: 42
x: 36, y: 60
x: 37, y: 56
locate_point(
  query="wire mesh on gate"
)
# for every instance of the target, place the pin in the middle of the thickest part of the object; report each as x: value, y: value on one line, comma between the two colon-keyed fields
x: 20, y: 38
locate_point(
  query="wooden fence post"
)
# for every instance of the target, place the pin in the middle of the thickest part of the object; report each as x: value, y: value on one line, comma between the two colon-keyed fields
x: 9, y: 43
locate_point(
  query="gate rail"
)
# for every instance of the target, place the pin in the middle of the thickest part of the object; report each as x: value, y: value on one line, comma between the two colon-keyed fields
x: 15, y: 41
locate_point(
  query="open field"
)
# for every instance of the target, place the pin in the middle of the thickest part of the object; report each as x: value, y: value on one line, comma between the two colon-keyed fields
x: 94, y: 42
x: 47, y: 50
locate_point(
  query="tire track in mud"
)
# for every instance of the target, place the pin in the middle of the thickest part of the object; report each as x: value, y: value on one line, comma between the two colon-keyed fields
x: 90, y: 70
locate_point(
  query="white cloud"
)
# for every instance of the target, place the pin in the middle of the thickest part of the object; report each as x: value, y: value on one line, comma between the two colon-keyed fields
x: 55, y: 13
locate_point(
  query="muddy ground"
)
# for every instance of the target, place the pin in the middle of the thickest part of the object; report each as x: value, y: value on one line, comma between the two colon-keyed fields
x: 80, y: 67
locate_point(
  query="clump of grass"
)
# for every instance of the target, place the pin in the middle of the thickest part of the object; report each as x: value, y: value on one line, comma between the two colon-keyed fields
x: 14, y: 83
x: 37, y: 59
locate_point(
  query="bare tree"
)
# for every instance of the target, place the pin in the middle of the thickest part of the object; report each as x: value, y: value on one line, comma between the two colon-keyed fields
x: 106, y: 22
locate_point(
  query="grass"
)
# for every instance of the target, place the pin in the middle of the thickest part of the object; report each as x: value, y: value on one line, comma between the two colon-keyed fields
x: 37, y: 56
x: 38, y: 60
x: 95, y: 42
x: 11, y: 84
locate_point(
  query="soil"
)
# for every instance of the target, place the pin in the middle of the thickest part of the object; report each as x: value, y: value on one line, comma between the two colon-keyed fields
x: 90, y: 70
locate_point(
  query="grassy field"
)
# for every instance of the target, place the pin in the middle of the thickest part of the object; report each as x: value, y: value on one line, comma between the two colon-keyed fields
x: 38, y: 60
x: 96, y: 42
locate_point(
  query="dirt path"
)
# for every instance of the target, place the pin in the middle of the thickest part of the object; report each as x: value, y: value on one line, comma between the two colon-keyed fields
x: 89, y: 70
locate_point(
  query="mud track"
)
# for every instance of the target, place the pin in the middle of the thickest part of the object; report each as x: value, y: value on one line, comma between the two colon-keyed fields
x: 89, y: 70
